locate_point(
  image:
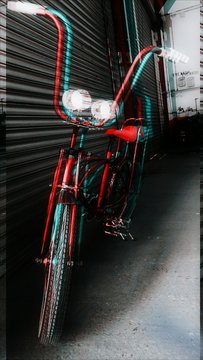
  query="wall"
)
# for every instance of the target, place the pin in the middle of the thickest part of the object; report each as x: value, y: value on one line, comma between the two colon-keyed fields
x: 181, y: 30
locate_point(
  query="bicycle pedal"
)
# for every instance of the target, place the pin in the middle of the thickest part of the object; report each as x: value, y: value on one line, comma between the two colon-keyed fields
x: 123, y: 235
x: 131, y: 236
x: 42, y: 261
x: 39, y: 261
x: 116, y: 233
x: 113, y: 233
x: 70, y: 263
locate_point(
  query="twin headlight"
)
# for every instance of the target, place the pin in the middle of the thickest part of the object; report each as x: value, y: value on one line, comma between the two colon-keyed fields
x: 80, y: 100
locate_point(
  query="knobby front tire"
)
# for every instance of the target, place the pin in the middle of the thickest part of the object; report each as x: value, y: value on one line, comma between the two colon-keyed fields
x: 58, y: 270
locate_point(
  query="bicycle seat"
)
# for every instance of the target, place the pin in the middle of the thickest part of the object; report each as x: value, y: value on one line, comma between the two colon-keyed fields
x: 128, y: 133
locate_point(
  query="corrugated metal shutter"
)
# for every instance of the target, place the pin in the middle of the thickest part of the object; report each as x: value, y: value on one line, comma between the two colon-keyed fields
x: 201, y: 140
x: 201, y: 61
x: 139, y: 27
x: 2, y: 141
x: 34, y: 134
x: 201, y: 211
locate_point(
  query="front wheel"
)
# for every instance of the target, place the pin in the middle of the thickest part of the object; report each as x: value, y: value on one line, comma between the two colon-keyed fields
x: 58, y: 268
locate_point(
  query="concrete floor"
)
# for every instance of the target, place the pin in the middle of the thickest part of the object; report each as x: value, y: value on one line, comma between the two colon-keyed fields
x: 134, y: 300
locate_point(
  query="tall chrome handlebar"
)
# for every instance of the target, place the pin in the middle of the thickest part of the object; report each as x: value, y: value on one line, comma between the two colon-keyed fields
x: 65, y: 47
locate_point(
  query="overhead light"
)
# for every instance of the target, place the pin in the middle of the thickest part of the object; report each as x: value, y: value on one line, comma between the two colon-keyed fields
x: 76, y: 100
x: 26, y: 8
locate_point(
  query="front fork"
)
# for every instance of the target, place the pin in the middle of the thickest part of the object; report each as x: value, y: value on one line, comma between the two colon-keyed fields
x: 77, y: 210
x: 51, y: 199
x: 69, y: 189
x: 77, y: 213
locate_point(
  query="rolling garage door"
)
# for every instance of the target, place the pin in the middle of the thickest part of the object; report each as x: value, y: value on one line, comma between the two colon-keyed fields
x: 201, y: 137
x: 2, y: 141
x: 34, y: 134
x: 139, y: 29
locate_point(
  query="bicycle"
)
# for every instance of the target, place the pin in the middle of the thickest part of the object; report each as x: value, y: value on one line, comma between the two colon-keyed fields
x: 76, y: 192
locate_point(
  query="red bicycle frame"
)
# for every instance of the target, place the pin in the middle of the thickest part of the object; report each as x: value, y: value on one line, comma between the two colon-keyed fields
x: 56, y: 17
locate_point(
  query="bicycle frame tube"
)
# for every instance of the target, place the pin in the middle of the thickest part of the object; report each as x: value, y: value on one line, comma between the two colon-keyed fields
x: 104, y: 178
x: 106, y: 169
x: 139, y: 108
x: 88, y: 170
x: 125, y: 197
x: 81, y: 215
x: 70, y: 160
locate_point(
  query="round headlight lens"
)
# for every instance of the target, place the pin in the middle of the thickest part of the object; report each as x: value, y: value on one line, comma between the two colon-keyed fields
x: 102, y: 110
x: 77, y: 100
